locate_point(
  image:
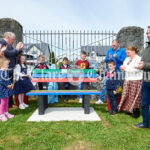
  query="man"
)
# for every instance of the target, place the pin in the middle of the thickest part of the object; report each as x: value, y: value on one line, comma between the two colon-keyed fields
x: 145, y: 66
x: 11, y: 53
x: 118, y: 55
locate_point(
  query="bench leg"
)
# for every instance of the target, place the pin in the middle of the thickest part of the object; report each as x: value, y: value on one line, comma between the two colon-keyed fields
x: 45, y: 101
x: 83, y: 101
x: 87, y: 104
x: 41, y: 105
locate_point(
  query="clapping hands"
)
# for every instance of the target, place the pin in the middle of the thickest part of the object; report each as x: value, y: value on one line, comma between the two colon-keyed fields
x: 20, y: 45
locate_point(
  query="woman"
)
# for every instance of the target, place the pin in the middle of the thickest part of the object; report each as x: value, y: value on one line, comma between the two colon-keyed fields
x: 131, y: 95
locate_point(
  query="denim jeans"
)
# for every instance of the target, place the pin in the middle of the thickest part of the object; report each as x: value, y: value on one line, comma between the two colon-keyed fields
x: 80, y: 87
x: 103, y: 93
x: 145, y: 103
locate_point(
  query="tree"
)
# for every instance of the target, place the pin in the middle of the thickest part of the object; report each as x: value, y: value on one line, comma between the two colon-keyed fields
x: 52, y: 58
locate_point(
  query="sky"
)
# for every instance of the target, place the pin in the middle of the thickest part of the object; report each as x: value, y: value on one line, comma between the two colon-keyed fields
x: 77, y: 14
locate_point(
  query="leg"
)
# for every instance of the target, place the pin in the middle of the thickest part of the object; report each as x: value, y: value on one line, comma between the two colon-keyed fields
x: 103, y: 93
x: 20, y: 98
x: 80, y: 87
x: 2, y: 106
x: 112, y: 100
x: 102, y: 97
x: 11, y: 103
x: 7, y: 114
x: 6, y: 104
x: 145, y: 103
x: 41, y: 105
x: 86, y: 104
x: 40, y: 86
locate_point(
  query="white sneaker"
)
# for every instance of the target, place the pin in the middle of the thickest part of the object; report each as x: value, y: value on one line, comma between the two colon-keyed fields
x: 80, y: 100
x: 25, y: 105
x: 21, y: 106
x: 99, y: 102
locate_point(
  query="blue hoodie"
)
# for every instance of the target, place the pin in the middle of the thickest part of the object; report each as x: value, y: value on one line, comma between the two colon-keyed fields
x: 121, y: 55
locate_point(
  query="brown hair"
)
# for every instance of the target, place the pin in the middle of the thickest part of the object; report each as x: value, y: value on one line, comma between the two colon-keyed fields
x: 2, y: 60
x: 112, y: 62
x: 65, y: 58
x: 83, y: 52
x: 19, y: 62
x: 132, y: 48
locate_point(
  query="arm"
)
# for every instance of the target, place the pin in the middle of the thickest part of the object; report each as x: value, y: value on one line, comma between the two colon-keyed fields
x: 121, y: 56
x: 132, y: 66
x: 47, y: 67
x: 147, y: 65
x: 4, y: 79
x: 88, y: 65
x: 11, y: 53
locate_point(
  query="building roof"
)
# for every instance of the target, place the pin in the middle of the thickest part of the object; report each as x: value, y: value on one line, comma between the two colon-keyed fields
x: 100, y: 50
x: 41, y: 46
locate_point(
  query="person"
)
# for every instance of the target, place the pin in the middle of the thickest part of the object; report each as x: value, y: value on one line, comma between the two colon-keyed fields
x: 83, y: 64
x: 145, y: 66
x: 11, y: 54
x: 23, y: 83
x: 6, y: 90
x: 131, y: 95
x: 112, y: 85
x: 117, y: 54
x: 66, y: 85
x: 41, y: 65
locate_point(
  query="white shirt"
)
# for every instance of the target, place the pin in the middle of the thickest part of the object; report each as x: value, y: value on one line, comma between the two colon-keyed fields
x: 131, y: 73
x: 17, y: 71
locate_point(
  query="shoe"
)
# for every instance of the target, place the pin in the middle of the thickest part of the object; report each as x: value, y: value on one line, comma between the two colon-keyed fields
x: 8, y: 115
x: 3, y: 118
x: 25, y: 105
x: 109, y: 112
x: 113, y: 113
x: 140, y: 125
x: 80, y: 100
x: 99, y: 102
x: 21, y: 106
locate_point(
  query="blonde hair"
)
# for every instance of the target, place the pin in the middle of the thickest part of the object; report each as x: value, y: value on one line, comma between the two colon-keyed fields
x: 132, y: 48
x: 41, y: 56
x: 3, y: 60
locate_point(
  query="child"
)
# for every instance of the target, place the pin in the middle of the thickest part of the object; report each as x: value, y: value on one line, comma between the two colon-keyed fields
x: 66, y: 84
x: 6, y: 90
x: 23, y: 83
x: 41, y: 65
x: 83, y: 64
x: 112, y: 85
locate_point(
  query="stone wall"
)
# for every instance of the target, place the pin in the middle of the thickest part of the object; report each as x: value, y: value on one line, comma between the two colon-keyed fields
x: 131, y: 36
x: 8, y: 24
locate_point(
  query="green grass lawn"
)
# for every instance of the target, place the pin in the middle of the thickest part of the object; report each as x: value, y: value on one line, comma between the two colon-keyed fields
x: 112, y: 133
